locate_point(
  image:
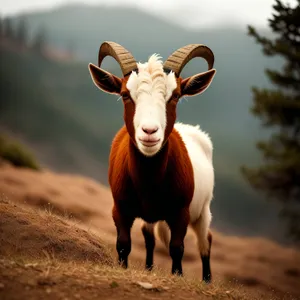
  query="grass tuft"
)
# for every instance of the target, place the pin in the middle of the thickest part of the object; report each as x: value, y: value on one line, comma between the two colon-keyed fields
x: 16, y: 154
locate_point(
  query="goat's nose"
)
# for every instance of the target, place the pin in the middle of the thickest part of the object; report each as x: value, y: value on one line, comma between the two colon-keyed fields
x: 150, y: 130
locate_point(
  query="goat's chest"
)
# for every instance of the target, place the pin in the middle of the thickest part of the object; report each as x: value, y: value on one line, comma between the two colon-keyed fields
x: 159, y: 202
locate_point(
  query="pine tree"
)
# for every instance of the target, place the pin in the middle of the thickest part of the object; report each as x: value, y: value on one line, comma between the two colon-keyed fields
x: 1, y: 27
x: 22, y: 32
x: 279, y: 109
x: 8, y: 29
x: 39, y: 42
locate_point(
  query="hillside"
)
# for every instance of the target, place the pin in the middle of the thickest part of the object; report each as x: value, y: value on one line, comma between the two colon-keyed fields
x: 46, y: 274
x: 57, y: 234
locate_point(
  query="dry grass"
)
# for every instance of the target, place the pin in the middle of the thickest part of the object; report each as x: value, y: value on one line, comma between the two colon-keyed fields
x: 39, y: 268
x: 33, y: 233
x: 55, y: 275
x: 50, y: 257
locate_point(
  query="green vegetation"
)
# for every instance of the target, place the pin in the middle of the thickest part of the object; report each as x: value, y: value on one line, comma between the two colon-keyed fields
x: 279, y: 176
x: 16, y: 154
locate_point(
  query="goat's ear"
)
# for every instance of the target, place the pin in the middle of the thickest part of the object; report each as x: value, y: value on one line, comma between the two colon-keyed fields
x: 197, y: 84
x: 105, y: 81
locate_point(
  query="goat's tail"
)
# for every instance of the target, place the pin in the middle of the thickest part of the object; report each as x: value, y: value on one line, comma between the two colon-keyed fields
x: 162, y: 231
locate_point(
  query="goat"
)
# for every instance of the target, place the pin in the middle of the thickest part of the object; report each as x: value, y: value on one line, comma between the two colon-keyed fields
x: 159, y: 171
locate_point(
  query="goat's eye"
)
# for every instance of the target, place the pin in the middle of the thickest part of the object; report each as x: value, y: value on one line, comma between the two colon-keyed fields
x: 126, y: 96
x: 176, y: 96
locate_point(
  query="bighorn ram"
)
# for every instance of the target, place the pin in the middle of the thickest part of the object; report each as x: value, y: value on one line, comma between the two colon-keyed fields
x: 159, y: 171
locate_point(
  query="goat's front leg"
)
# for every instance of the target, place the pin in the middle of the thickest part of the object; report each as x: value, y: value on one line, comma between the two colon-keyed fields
x: 147, y: 230
x: 123, y: 224
x: 178, y: 226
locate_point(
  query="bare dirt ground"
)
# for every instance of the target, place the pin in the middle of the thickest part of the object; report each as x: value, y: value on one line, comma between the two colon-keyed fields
x: 57, y: 241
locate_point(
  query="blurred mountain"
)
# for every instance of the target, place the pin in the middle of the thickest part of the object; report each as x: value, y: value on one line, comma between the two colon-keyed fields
x: 239, y: 62
x: 70, y: 123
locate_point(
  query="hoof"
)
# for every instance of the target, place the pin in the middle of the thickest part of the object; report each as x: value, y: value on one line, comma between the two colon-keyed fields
x: 123, y: 264
x: 207, y: 279
x: 149, y: 268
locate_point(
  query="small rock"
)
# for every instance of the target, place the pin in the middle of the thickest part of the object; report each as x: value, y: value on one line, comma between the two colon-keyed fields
x: 149, y: 286
x: 1, y: 286
x: 145, y: 285
x: 48, y: 290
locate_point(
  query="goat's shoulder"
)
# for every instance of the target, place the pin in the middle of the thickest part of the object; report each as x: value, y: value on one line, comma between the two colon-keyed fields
x: 118, y: 154
x: 119, y: 144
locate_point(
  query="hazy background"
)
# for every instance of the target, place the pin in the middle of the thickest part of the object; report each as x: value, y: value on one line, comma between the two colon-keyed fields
x: 50, y: 103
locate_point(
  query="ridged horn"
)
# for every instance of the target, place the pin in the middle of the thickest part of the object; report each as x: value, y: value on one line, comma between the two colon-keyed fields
x: 178, y: 59
x: 120, y: 54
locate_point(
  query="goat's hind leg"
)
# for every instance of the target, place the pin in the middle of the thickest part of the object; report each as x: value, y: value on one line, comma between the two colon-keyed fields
x: 148, y: 233
x: 204, y: 240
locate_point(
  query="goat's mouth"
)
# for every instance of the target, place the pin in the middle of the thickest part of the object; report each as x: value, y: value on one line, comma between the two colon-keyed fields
x: 149, y: 142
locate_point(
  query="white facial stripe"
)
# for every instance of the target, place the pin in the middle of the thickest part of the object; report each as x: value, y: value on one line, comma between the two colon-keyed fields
x: 149, y: 113
x: 150, y: 89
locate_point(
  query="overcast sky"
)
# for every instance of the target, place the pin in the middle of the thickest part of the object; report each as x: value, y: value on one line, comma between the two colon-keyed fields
x: 243, y: 12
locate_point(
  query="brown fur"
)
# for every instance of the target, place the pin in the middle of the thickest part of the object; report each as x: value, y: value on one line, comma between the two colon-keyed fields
x: 152, y: 188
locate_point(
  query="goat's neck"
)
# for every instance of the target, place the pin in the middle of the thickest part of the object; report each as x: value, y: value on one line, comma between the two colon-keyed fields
x: 148, y: 170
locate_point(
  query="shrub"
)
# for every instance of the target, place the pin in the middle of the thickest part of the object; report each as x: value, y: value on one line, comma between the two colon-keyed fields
x: 16, y: 154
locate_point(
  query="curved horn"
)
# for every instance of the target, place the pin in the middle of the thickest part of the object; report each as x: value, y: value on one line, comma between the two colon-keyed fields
x: 120, y: 54
x: 178, y: 59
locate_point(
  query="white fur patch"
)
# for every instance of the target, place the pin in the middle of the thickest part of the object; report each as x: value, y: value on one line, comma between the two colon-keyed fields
x: 200, y: 150
x: 150, y: 89
x: 151, y: 79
